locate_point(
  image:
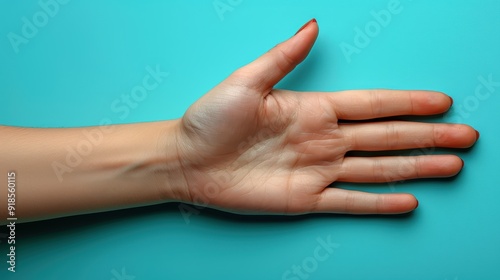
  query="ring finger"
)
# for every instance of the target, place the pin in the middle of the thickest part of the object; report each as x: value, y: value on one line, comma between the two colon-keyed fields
x: 397, y: 168
x: 399, y: 135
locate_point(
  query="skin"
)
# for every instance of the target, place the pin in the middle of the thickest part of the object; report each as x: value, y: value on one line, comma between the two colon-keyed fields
x: 244, y: 147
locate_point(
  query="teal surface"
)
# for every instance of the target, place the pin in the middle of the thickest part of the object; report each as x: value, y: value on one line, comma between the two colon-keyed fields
x: 71, y: 67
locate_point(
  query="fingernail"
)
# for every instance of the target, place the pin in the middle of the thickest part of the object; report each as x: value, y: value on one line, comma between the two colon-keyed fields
x: 451, y: 99
x: 477, y: 134
x: 305, y: 25
x: 416, y: 205
x: 463, y: 163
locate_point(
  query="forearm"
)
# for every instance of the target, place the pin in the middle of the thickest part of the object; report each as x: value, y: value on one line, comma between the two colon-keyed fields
x: 60, y: 172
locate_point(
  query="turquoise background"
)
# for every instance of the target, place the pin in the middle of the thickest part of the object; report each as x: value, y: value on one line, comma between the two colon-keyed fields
x: 91, y: 52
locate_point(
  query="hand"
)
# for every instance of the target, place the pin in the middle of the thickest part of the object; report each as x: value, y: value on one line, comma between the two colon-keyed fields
x: 249, y: 148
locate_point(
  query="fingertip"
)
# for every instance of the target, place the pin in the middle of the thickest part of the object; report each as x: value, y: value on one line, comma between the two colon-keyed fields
x: 442, y: 103
x: 309, y: 31
x: 426, y: 102
x: 455, y: 135
x: 458, y: 165
x: 455, y: 166
x: 449, y: 103
x: 307, y: 24
x: 266, y: 71
x: 441, y: 166
x: 399, y: 203
x: 469, y: 134
x: 411, y: 202
x: 447, y: 98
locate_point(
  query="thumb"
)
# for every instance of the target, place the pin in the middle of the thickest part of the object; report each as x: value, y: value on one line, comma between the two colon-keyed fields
x: 266, y: 71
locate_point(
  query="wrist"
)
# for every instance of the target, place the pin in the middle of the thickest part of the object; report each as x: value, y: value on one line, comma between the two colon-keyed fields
x: 171, y: 177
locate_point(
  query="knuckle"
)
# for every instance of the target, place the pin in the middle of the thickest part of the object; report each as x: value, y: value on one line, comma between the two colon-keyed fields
x: 375, y: 102
x: 350, y: 202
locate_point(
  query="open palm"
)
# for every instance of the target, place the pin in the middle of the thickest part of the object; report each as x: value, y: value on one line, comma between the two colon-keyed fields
x: 249, y: 148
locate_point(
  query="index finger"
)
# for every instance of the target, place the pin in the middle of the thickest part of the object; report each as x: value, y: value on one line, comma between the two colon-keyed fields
x: 379, y: 103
